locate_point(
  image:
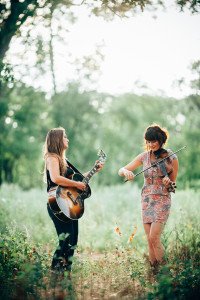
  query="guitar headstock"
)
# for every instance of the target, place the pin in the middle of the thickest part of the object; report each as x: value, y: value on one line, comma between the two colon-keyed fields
x: 102, y: 156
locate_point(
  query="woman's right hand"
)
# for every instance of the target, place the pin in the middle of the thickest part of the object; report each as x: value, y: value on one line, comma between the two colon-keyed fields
x: 80, y: 185
x: 128, y: 174
x: 166, y: 181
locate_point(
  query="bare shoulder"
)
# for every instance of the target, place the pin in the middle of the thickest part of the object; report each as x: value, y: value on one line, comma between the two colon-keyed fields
x: 135, y: 163
x: 141, y: 156
x: 51, y: 160
x: 173, y: 155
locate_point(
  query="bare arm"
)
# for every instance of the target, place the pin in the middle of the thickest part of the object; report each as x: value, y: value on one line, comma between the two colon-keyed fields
x: 172, y: 177
x: 174, y: 174
x: 126, y: 171
x: 54, y: 170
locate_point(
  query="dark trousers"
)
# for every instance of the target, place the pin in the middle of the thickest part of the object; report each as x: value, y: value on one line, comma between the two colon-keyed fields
x: 68, y: 237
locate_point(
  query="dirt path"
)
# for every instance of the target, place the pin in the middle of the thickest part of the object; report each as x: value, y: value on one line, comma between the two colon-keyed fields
x: 108, y: 276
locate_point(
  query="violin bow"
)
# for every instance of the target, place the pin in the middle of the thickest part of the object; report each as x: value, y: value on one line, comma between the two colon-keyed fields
x: 157, y: 163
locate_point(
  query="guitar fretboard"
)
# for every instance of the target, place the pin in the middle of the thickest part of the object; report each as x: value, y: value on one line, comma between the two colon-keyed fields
x: 90, y: 174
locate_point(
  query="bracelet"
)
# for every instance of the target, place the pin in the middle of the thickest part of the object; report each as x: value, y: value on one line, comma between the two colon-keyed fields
x: 121, y: 171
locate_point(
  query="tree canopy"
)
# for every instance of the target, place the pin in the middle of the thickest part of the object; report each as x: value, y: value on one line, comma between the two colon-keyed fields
x: 92, y: 120
x: 14, y: 13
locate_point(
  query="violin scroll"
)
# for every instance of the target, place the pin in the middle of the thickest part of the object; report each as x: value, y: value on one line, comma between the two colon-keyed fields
x: 172, y: 186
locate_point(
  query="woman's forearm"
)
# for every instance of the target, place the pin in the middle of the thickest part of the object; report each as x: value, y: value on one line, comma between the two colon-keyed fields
x: 60, y: 180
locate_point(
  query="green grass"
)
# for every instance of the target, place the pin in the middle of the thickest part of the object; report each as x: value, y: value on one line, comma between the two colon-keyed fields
x: 106, y: 265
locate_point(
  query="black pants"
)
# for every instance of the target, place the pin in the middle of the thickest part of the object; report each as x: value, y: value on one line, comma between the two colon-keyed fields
x: 68, y: 238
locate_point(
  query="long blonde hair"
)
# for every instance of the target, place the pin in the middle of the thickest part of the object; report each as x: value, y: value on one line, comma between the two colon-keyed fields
x: 54, y: 146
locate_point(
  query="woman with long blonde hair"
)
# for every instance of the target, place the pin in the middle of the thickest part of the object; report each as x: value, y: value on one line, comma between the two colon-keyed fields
x: 58, y: 172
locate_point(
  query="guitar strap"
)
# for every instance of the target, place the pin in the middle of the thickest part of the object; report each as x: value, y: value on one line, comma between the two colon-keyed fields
x: 73, y: 168
x: 89, y: 192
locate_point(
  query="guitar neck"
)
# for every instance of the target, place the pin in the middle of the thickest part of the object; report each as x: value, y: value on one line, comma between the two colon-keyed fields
x: 90, y: 174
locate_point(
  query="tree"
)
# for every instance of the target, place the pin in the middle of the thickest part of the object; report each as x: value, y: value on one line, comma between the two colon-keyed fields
x: 74, y: 111
x: 195, y: 83
x: 23, y: 127
x: 13, y: 15
x: 15, y: 12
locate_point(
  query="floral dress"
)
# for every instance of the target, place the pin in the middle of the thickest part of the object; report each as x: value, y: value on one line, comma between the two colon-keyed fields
x: 156, y: 200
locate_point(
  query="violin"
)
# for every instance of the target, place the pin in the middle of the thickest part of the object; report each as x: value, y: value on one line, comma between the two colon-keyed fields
x: 161, y: 154
x: 164, y: 152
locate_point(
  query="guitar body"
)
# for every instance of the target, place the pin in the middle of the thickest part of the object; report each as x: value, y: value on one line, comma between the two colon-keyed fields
x: 68, y: 202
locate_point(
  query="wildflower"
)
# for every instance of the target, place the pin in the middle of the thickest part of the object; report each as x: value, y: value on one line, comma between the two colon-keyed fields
x: 133, y: 234
x: 117, y: 230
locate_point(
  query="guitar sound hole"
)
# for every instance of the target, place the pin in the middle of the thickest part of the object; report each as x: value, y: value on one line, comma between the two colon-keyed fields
x: 69, y: 194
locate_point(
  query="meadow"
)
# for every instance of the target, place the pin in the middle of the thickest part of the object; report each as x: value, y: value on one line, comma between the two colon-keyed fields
x: 111, y: 258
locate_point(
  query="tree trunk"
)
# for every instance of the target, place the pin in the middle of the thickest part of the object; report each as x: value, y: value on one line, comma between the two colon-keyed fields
x: 1, y: 172
x: 52, y: 52
x: 8, y: 166
x: 10, y: 26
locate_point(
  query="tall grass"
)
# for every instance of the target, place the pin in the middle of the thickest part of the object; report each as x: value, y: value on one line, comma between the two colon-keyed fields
x: 106, y: 265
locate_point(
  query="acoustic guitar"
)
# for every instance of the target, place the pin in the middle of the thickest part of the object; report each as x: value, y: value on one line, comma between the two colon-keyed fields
x: 69, y: 201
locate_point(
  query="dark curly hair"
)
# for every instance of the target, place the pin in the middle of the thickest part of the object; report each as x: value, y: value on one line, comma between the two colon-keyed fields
x: 154, y: 132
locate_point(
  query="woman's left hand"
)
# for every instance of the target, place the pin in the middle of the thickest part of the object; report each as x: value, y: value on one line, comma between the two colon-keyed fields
x: 166, y: 181
x: 100, y: 165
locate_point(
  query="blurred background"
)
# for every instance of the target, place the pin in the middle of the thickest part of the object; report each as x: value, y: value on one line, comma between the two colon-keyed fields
x: 104, y: 70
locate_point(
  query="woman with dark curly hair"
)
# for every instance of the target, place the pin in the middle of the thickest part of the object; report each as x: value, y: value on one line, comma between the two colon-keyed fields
x: 156, y: 198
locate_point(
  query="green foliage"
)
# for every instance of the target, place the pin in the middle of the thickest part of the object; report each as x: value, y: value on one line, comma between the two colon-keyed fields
x: 93, y: 121
x: 20, y: 265
x: 74, y: 111
x: 179, y: 279
x: 23, y: 114
x: 105, y: 264
x: 6, y: 74
x: 189, y: 160
x: 13, y: 14
x: 195, y: 83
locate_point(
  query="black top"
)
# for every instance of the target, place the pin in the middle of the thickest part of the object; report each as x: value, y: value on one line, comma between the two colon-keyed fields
x: 68, y: 174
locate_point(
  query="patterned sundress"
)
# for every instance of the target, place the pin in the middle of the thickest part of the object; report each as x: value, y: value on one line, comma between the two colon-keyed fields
x: 156, y: 200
